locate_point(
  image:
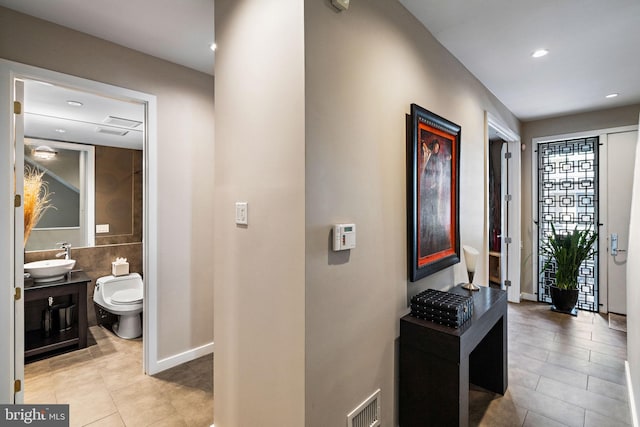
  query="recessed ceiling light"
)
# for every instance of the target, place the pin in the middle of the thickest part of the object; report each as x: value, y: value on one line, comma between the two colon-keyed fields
x: 612, y: 95
x: 213, y: 47
x: 60, y: 130
x: 75, y: 103
x: 539, y: 53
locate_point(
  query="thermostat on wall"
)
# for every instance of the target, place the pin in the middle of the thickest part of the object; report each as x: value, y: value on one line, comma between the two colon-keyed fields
x: 344, y: 237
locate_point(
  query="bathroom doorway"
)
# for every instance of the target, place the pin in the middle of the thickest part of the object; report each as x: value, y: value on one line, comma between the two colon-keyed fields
x: 44, y: 127
x: 496, y: 154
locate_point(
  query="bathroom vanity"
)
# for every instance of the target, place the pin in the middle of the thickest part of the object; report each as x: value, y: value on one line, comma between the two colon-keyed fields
x: 65, y: 325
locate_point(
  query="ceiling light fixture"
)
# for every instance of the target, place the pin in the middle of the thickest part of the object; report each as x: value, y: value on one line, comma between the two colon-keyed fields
x: 213, y: 47
x: 75, y: 103
x: 539, y: 53
x: 612, y: 95
x: 44, y: 152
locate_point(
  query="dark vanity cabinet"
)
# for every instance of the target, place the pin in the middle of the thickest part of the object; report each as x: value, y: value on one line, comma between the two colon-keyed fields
x: 55, y: 315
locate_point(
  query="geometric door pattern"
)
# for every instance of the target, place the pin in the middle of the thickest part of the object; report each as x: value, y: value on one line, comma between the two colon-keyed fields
x: 568, y: 197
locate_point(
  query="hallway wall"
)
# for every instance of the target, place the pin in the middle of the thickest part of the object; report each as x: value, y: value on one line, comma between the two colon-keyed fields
x: 259, y: 268
x: 185, y: 159
x: 310, y: 109
x: 364, y: 68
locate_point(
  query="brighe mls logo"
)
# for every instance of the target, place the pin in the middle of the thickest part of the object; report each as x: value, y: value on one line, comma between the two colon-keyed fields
x: 35, y: 415
x: 25, y: 416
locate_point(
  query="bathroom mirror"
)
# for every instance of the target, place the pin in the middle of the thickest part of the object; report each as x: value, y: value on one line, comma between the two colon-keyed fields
x: 90, y: 150
x: 68, y: 176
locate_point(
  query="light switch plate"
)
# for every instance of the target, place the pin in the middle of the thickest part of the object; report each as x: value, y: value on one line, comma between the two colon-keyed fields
x: 242, y: 213
x: 102, y: 228
x: 340, y: 4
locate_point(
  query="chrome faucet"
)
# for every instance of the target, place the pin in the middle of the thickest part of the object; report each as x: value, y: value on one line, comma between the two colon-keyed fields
x: 66, y: 247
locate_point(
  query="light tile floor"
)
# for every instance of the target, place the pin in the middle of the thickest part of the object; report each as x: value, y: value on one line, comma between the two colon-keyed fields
x: 104, y: 386
x: 563, y: 371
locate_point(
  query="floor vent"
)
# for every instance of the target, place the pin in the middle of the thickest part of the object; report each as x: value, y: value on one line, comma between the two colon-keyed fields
x: 367, y: 414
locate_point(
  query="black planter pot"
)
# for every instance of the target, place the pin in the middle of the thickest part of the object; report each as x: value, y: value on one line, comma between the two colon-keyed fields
x: 564, y: 300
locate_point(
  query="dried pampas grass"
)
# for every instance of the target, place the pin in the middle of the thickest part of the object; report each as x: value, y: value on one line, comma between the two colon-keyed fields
x: 37, y: 199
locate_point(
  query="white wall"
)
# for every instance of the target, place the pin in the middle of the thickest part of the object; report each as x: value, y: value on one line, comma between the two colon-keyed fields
x: 364, y: 67
x: 633, y: 291
x: 185, y: 161
x: 259, y: 268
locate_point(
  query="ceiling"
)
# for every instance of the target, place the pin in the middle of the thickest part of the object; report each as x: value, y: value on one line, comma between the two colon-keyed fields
x: 593, y: 50
x: 178, y: 31
x: 99, y: 120
x: 592, y: 43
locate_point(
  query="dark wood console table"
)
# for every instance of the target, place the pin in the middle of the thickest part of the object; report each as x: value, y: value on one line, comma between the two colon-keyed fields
x: 437, y: 362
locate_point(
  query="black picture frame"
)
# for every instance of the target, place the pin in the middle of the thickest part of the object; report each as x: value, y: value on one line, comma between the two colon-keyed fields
x: 433, y: 193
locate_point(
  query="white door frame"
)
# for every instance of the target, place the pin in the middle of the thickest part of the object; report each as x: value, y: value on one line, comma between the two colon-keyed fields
x: 18, y: 241
x: 603, y: 304
x: 11, y: 276
x: 514, y: 231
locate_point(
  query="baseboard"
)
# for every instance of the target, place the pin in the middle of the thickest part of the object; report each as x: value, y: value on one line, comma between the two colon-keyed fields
x: 179, y: 359
x: 529, y: 297
x: 632, y: 401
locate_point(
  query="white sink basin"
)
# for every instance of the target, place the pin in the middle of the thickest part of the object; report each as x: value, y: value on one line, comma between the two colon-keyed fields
x: 49, y: 270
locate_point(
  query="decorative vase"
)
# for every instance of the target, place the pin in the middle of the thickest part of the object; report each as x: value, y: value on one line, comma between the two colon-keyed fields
x: 564, y: 300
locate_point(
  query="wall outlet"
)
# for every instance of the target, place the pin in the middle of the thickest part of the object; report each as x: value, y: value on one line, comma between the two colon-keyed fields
x: 102, y: 228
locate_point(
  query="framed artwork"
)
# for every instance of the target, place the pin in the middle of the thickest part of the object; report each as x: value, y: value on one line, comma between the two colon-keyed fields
x: 433, y: 177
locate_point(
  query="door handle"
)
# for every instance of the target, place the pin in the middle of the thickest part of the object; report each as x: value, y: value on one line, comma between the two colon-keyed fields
x: 614, y: 245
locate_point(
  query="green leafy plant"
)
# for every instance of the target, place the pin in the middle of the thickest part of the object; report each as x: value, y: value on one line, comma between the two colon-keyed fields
x: 568, y: 251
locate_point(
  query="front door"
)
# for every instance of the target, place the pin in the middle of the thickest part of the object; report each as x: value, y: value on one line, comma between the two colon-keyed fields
x: 620, y: 165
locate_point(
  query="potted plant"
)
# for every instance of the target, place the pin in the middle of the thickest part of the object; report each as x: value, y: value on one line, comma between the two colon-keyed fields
x: 567, y: 251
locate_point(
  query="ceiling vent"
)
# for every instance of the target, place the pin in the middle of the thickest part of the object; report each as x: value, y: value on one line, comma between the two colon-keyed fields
x: 115, y: 132
x: 119, y: 121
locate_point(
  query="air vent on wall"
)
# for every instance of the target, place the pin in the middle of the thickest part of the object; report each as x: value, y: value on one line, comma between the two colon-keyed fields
x: 119, y: 121
x: 115, y: 132
x: 367, y: 414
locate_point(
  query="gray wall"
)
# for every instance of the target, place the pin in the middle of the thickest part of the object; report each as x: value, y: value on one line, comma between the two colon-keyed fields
x: 364, y: 67
x: 259, y: 269
x: 185, y: 159
x: 596, y: 120
x: 302, y: 333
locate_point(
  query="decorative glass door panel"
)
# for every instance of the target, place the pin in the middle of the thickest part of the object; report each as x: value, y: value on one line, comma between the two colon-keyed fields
x: 568, y: 198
